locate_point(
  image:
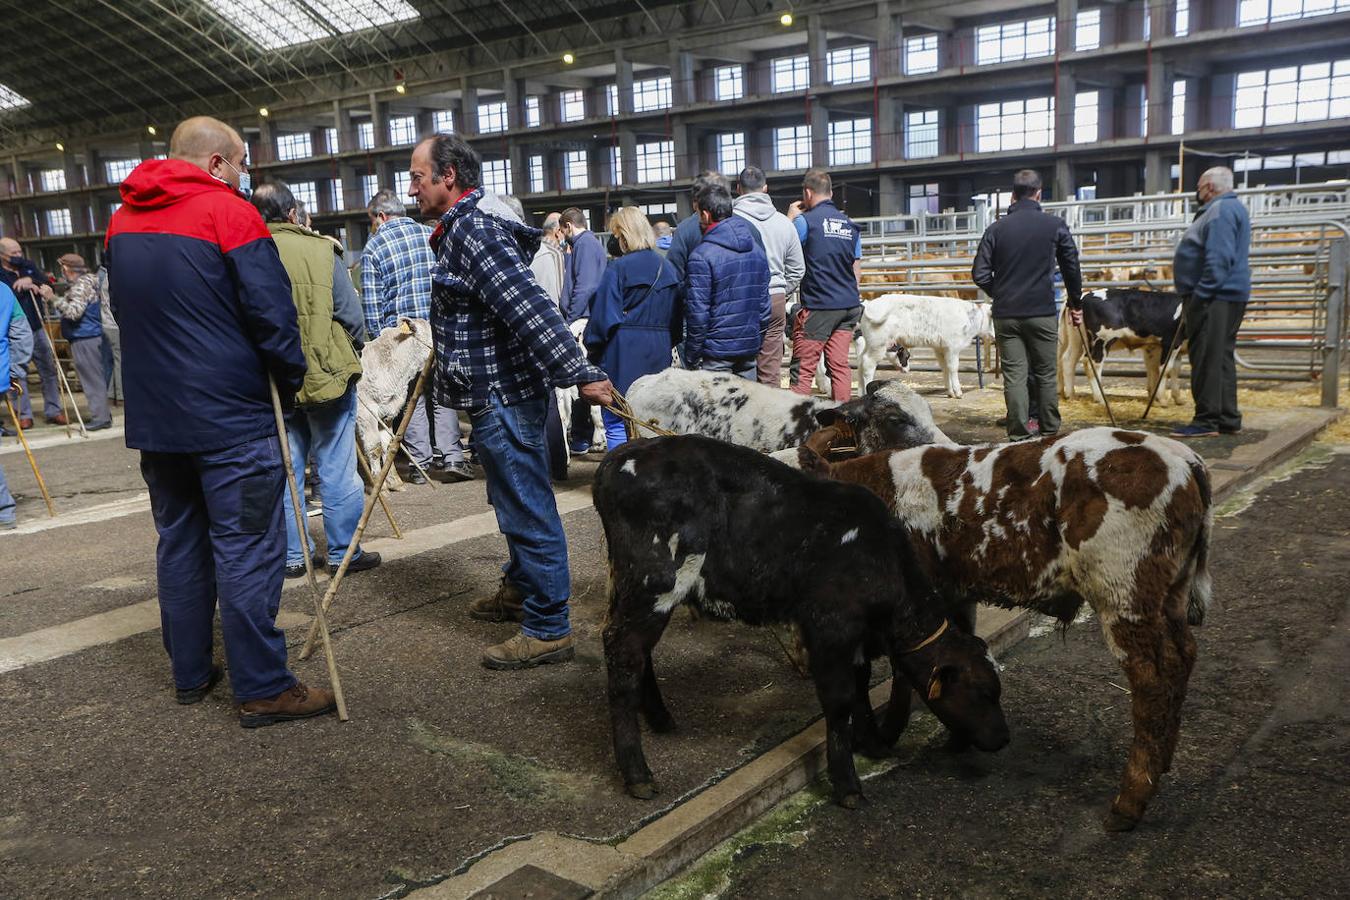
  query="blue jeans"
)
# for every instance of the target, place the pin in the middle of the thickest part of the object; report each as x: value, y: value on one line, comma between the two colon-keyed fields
x: 330, y: 431
x: 7, y: 504
x: 509, y: 443
x: 746, y: 367
x: 616, y: 430
x: 218, y: 515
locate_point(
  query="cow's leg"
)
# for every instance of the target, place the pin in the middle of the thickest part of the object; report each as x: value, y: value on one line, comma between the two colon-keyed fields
x: 1153, y: 373
x: 951, y: 367
x: 831, y: 667
x: 867, y: 367
x: 627, y: 645
x: 653, y: 705
x: 866, y: 735
x: 1151, y: 663
x: 896, y: 717
x: 1070, y: 348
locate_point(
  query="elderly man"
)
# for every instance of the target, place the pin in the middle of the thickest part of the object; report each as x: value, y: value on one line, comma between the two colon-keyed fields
x: 324, y: 419
x: 207, y: 317
x: 501, y: 344
x: 27, y: 281
x: 1015, y: 266
x: 82, y: 326
x: 786, y: 264
x: 1211, y: 273
x: 550, y: 264
x: 396, y: 281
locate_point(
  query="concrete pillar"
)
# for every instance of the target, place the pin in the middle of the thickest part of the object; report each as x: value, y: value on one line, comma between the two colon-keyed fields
x: 1066, y: 91
x: 820, y: 134
x: 520, y: 170
x: 683, y: 89
x: 686, y: 155
x: 1157, y: 172
x: 1063, y: 186
x: 1215, y: 14
x: 889, y: 59
x: 817, y: 49
x: 623, y: 80
x: 512, y: 95
x: 961, y: 129
x: 468, y: 109
x: 379, y: 118
x: 886, y: 131
x: 889, y: 199
x: 1066, y: 24
x: 1162, y: 18
x: 93, y: 167
x: 342, y: 121
x: 267, y: 140
x: 628, y: 156
x: 1159, y: 94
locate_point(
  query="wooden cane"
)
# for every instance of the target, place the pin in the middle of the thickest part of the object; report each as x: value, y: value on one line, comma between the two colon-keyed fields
x: 1092, y: 372
x: 62, y: 383
x: 336, y: 581
x: 42, y: 485
x: 1167, y: 362
x: 370, y: 476
x: 320, y: 620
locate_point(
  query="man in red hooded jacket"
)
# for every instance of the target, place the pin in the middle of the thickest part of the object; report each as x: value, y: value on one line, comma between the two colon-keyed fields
x: 205, y: 312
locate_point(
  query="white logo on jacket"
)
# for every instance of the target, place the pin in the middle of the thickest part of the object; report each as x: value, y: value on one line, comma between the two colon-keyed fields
x: 839, y: 228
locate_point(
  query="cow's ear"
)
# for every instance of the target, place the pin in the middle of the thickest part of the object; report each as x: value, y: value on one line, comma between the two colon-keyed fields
x: 827, y: 417
x: 874, y: 386
x: 811, y: 462
x: 935, y: 685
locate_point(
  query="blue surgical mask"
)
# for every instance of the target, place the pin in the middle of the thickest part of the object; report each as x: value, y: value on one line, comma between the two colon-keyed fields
x: 245, y: 179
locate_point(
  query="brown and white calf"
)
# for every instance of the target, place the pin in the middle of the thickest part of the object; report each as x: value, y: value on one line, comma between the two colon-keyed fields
x: 1119, y: 520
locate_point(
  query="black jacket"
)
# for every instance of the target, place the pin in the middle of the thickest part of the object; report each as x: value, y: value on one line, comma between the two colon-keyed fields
x: 1015, y: 264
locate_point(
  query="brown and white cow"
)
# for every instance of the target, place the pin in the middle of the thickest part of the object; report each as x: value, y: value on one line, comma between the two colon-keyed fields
x: 1119, y: 520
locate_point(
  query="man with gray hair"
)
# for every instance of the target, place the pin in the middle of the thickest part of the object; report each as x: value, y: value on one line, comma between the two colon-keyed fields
x: 550, y: 263
x: 396, y: 281
x: 1211, y: 273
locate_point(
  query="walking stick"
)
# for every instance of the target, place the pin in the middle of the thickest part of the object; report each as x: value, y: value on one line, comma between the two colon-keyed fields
x: 42, y: 485
x: 1172, y: 350
x: 63, y: 384
x: 336, y: 581
x: 1092, y: 372
x: 369, y: 476
x: 320, y: 620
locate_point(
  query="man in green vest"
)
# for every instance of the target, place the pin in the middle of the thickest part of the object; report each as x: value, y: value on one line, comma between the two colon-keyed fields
x: 324, y: 420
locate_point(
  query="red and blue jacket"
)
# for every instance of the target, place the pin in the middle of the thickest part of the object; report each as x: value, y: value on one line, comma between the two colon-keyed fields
x: 204, y: 308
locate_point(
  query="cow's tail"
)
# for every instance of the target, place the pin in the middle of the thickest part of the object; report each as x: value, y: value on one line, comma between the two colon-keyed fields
x: 1197, y: 604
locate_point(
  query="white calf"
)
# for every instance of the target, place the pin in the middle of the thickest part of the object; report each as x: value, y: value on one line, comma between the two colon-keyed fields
x: 389, y: 363
x: 946, y: 324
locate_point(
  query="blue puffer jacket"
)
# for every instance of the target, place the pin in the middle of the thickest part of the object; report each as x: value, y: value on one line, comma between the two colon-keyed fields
x: 1211, y: 261
x: 727, y: 294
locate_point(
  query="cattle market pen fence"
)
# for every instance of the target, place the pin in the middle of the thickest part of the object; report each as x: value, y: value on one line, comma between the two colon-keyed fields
x: 1295, y: 326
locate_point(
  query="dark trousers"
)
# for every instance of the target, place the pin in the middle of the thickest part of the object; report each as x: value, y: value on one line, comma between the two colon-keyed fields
x: 1211, y: 333
x: 218, y: 515
x: 1027, y: 349
x: 558, y: 451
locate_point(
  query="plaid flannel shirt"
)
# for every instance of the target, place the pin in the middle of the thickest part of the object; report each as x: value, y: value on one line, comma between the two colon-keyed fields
x: 396, y: 274
x: 493, y: 326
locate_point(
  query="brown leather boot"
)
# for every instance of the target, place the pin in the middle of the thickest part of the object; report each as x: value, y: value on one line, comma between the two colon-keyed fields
x: 296, y: 702
x: 507, y: 605
x: 525, y: 652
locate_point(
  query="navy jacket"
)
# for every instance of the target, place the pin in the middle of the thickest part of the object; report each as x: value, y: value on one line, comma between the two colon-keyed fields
x: 205, y: 312
x: 830, y: 245
x: 687, y: 236
x: 727, y: 306
x: 587, y: 264
x: 27, y: 299
x: 635, y: 318
x: 1015, y: 263
x: 1211, y: 260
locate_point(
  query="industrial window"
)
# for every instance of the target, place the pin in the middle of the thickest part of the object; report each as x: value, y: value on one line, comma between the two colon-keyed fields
x: 534, y: 113
x: 615, y: 165
x: 731, y: 152
x: 850, y: 142
x: 921, y: 134
x: 656, y: 162
x: 572, y: 105
x: 1183, y: 18
x: 1179, y: 107
x: 402, y: 130
x: 272, y: 24
x: 1015, y: 124
x: 402, y: 181
x: 1260, y: 12
x: 658, y: 209
x: 52, y: 179
x: 497, y: 176
x: 1015, y: 40
x: 1308, y: 93
x: 58, y: 221
x: 728, y: 82
x: 611, y: 99
x: 365, y: 135
x: 294, y: 146
x: 1087, y: 34
x: 370, y: 186
x: 11, y: 99
x: 924, y: 198
x: 1086, y: 117
x: 307, y: 193
x: 330, y: 193
x: 651, y: 93
x: 792, y: 147
x: 997, y: 200
x: 849, y: 65
x: 575, y: 166
x: 330, y: 140
x: 491, y: 117
x: 443, y: 121
x: 536, y: 166
x: 791, y: 73
x: 921, y: 54
x: 118, y: 169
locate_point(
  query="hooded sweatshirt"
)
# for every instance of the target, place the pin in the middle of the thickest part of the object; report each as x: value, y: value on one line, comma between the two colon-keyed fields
x: 205, y: 312
x: 781, y: 244
x: 727, y: 308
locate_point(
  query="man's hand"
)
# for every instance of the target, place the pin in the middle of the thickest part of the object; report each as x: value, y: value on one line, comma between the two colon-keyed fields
x: 794, y: 209
x: 22, y: 284
x: 601, y: 392
x: 16, y: 386
x: 47, y: 292
x: 1075, y: 316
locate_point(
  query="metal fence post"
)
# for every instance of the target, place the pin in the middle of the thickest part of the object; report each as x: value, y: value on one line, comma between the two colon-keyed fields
x: 1334, y: 347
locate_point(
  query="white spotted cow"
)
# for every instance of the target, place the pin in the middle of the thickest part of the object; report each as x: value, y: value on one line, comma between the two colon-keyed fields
x: 946, y: 324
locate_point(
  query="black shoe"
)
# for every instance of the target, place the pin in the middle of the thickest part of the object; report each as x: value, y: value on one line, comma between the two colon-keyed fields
x: 197, y: 694
x: 362, y: 562
x: 298, y: 570
x: 416, y: 477
x: 453, y: 473
x: 1237, y: 430
x: 102, y: 426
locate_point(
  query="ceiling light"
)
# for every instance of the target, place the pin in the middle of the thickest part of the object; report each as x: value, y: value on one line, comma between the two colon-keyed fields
x: 151, y: 129
x: 264, y: 111
x: 60, y: 146
x: 569, y: 58
x: 785, y: 19
x: 401, y: 88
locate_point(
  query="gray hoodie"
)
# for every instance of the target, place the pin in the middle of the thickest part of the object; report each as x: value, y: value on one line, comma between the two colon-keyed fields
x: 784, y: 248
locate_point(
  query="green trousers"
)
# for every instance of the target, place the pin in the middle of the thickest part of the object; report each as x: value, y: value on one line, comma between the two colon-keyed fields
x: 1029, y: 345
x: 1211, y: 335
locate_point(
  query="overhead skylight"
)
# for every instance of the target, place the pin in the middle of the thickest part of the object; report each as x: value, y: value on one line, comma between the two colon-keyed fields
x: 11, y: 100
x: 273, y: 24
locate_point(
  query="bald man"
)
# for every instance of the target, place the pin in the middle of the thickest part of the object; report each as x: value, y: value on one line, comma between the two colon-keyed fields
x: 26, y: 281
x: 206, y: 316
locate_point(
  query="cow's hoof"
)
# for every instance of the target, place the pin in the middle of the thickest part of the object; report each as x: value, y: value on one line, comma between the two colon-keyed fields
x: 1118, y: 821
x: 661, y: 724
x: 851, y: 801
x: 643, y: 790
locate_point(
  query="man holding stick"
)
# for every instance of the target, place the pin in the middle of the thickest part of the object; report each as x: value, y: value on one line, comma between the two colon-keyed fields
x: 26, y: 281
x: 206, y: 316
x: 501, y: 346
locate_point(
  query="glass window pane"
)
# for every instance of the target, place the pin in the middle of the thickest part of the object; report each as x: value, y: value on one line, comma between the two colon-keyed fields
x: 651, y: 94
x: 731, y: 153
x: 921, y: 54
x: 728, y: 83
x: 272, y: 24
x: 402, y: 130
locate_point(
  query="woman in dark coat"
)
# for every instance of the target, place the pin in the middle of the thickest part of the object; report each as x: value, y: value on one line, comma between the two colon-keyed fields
x: 636, y: 318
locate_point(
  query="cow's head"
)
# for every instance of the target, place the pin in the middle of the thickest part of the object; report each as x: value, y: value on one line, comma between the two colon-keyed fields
x: 981, y: 323
x: 889, y: 416
x: 957, y: 677
x: 901, y: 356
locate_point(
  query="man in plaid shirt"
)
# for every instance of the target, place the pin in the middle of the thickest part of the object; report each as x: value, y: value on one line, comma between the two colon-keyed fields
x: 396, y: 281
x: 501, y: 347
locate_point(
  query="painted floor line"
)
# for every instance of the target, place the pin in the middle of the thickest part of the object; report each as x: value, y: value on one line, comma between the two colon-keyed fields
x: 59, y: 439
x: 127, y: 506
x: 45, y: 644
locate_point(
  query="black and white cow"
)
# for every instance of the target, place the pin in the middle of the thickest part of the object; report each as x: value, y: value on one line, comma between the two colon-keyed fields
x: 1124, y: 319
x: 744, y: 538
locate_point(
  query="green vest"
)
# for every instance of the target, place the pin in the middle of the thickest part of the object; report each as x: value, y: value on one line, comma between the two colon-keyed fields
x: 329, y: 355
